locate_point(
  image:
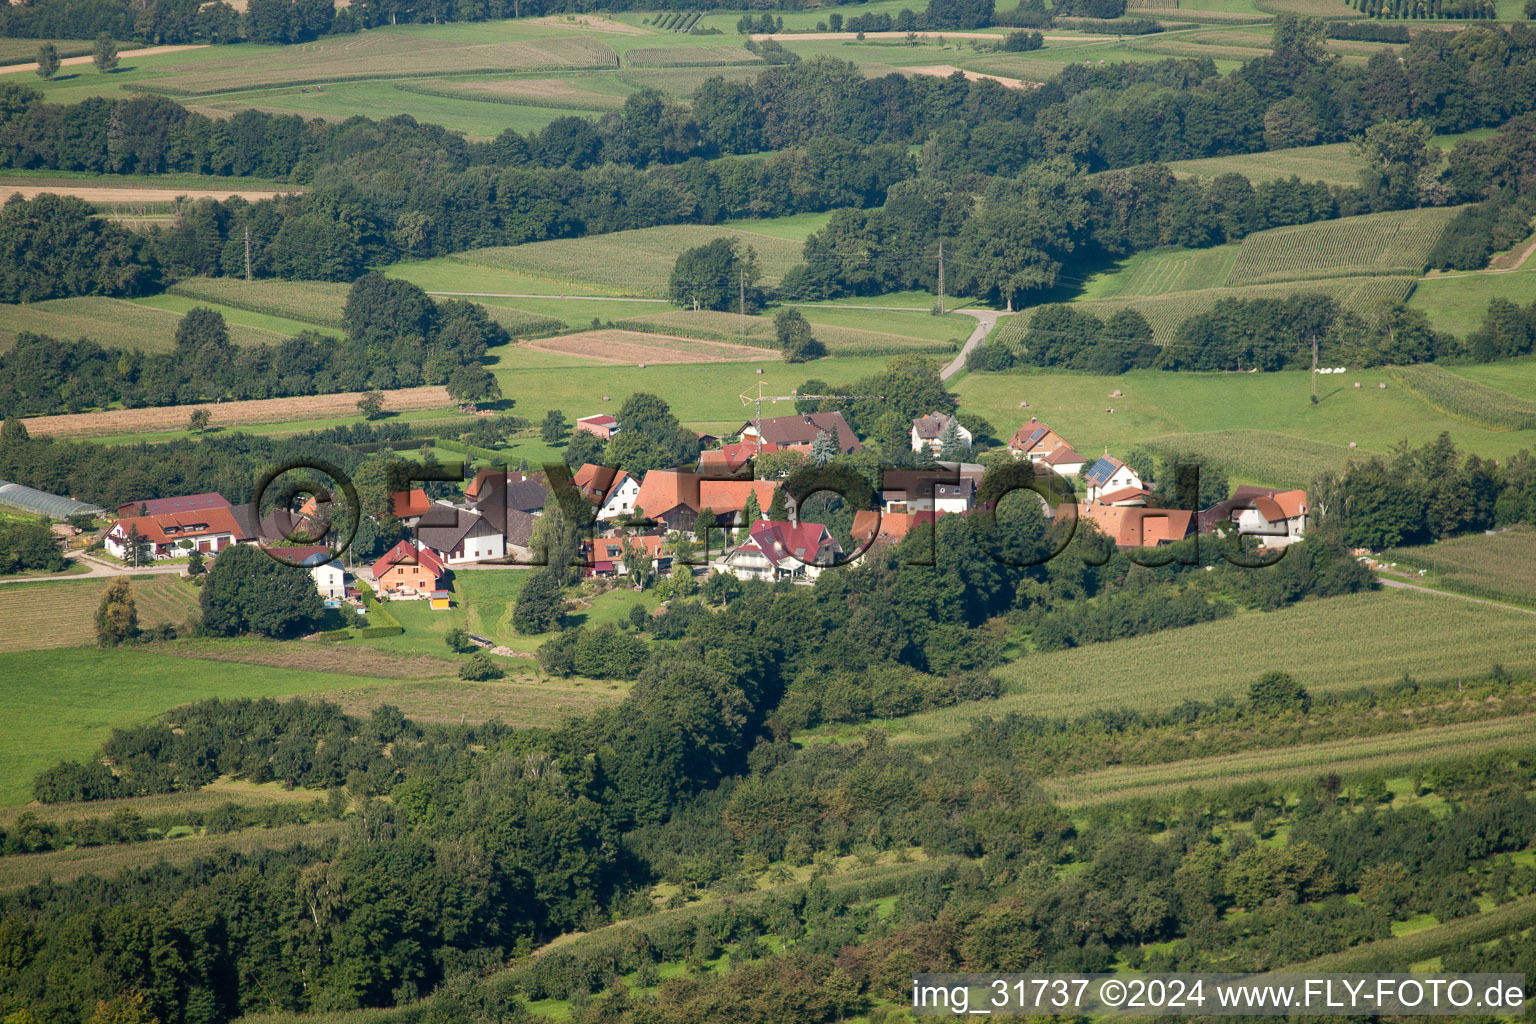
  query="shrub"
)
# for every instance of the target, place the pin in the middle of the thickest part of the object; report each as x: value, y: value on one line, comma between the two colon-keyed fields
x: 479, y: 668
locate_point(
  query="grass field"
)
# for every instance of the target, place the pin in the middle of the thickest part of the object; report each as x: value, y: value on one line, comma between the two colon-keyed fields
x: 308, y: 302
x: 1514, y: 376
x: 634, y: 262
x: 1334, y: 164
x: 63, y: 703
x: 111, y: 322
x: 1456, y: 302
x: 1156, y: 404
x: 1495, y: 565
x: 1361, y: 754
x: 1329, y: 645
x: 1166, y: 313
x: 62, y: 613
x: 1464, y: 399
x: 64, y: 865
x: 24, y: 51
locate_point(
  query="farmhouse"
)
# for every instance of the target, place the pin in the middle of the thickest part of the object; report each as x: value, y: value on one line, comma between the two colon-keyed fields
x: 408, y: 570
x: 1276, y: 517
x: 928, y: 432
x: 492, y: 489
x: 778, y: 550
x: 330, y: 578
x: 1133, y: 527
x: 602, y: 425
x: 1109, y: 476
x: 669, y: 497
x: 612, y: 490
x: 800, y: 431
x: 208, y: 530
x: 458, y: 535
x: 727, y: 499
x: 606, y: 555
x: 165, y: 506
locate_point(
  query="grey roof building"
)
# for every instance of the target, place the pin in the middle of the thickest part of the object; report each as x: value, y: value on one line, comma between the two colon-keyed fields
x: 54, y: 506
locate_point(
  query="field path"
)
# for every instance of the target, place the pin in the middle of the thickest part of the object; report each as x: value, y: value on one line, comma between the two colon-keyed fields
x: 148, y: 51
x: 98, y: 570
x: 137, y: 194
x: 789, y: 37
x: 1397, y: 584
x: 526, y: 295
x: 986, y: 319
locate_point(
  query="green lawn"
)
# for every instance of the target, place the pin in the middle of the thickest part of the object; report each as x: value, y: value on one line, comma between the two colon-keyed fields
x: 1456, y: 302
x: 1156, y: 403
x: 63, y: 703
x: 280, y: 327
x: 170, y: 182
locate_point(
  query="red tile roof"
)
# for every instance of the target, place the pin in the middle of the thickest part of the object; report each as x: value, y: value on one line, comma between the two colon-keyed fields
x: 406, y: 553
x: 731, y: 495
x: 729, y: 458
x: 872, y: 525
x: 778, y: 540
x: 602, y: 419
x: 1036, y: 437
x: 406, y: 504
x: 597, y: 482
x: 1123, y: 494
x: 165, y: 506
x: 1135, y: 527
x: 663, y: 490
x: 174, y: 526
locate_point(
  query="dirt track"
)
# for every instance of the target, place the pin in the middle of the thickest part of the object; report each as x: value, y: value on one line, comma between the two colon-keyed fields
x: 619, y: 346
x: 945, y: 70
x: 229, y: 414
x: 143, y: 194
x: 148, y: 51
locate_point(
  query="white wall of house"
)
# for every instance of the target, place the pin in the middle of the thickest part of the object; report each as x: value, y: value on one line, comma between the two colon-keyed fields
x: 117, y: 545
x: 1121, y: 478
x: 474, y: 549
x: 1275, y: 535
x: 331, y: 580
x: 621, y: 500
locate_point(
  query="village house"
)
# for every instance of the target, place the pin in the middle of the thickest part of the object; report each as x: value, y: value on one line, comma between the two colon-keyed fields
x: 457, y: 535
x: 871, y: 527
x: 408, y: 570
x: 612, y: 490
x: 727, y: 499
x: 1109, y: 476
x: 605, y: 556
x: 329, y: 576
x: 1043, y: 447
x: 175, y: 534
x: 675, y: 499
x: 799, y: 431
x: 602, y: 426
x: 926, y: 490
x: 1134, y: 527
x: 778, y: 550
x: 1277, y: 518
x: 928, y: 432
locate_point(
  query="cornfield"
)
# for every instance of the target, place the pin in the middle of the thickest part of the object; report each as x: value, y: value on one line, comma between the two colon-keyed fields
x: 1501, y: 566
x: 315, y: 302
x: 113, y: 322
x: 1465, y: 399
x: 1381, y: 243
x: 1278, y: 460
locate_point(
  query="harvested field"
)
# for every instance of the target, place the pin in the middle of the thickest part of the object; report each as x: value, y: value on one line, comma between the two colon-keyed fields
x: 64, y: 865
x: 379, y: 55
x: 319, y: 656
x: 229, y: 414
x: 518, y: 702
x: 148, y: 51
x: 604, y: 25
x: 945, y: 70
x: 692, y: 56
x: 840, y: 341
x: 617, y: 346
x: 100, y: 194
x: 62, y: 613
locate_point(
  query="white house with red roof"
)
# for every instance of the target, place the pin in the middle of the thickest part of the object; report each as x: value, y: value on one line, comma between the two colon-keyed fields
x: 777, y: 550
x: 324, y: 568
x: 601, y: 425
x: 1110, y: 476
x: 175, y: 534
x: 612, y: 490
x: 1042, y: 446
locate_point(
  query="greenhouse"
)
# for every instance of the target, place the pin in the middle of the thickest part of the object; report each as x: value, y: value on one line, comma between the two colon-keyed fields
x: 52, y: 505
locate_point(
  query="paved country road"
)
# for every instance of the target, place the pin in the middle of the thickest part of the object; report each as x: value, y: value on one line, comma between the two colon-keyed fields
x: 986, y: 319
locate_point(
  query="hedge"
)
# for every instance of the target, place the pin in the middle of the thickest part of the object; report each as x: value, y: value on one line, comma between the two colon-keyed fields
x: 372, y: 631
